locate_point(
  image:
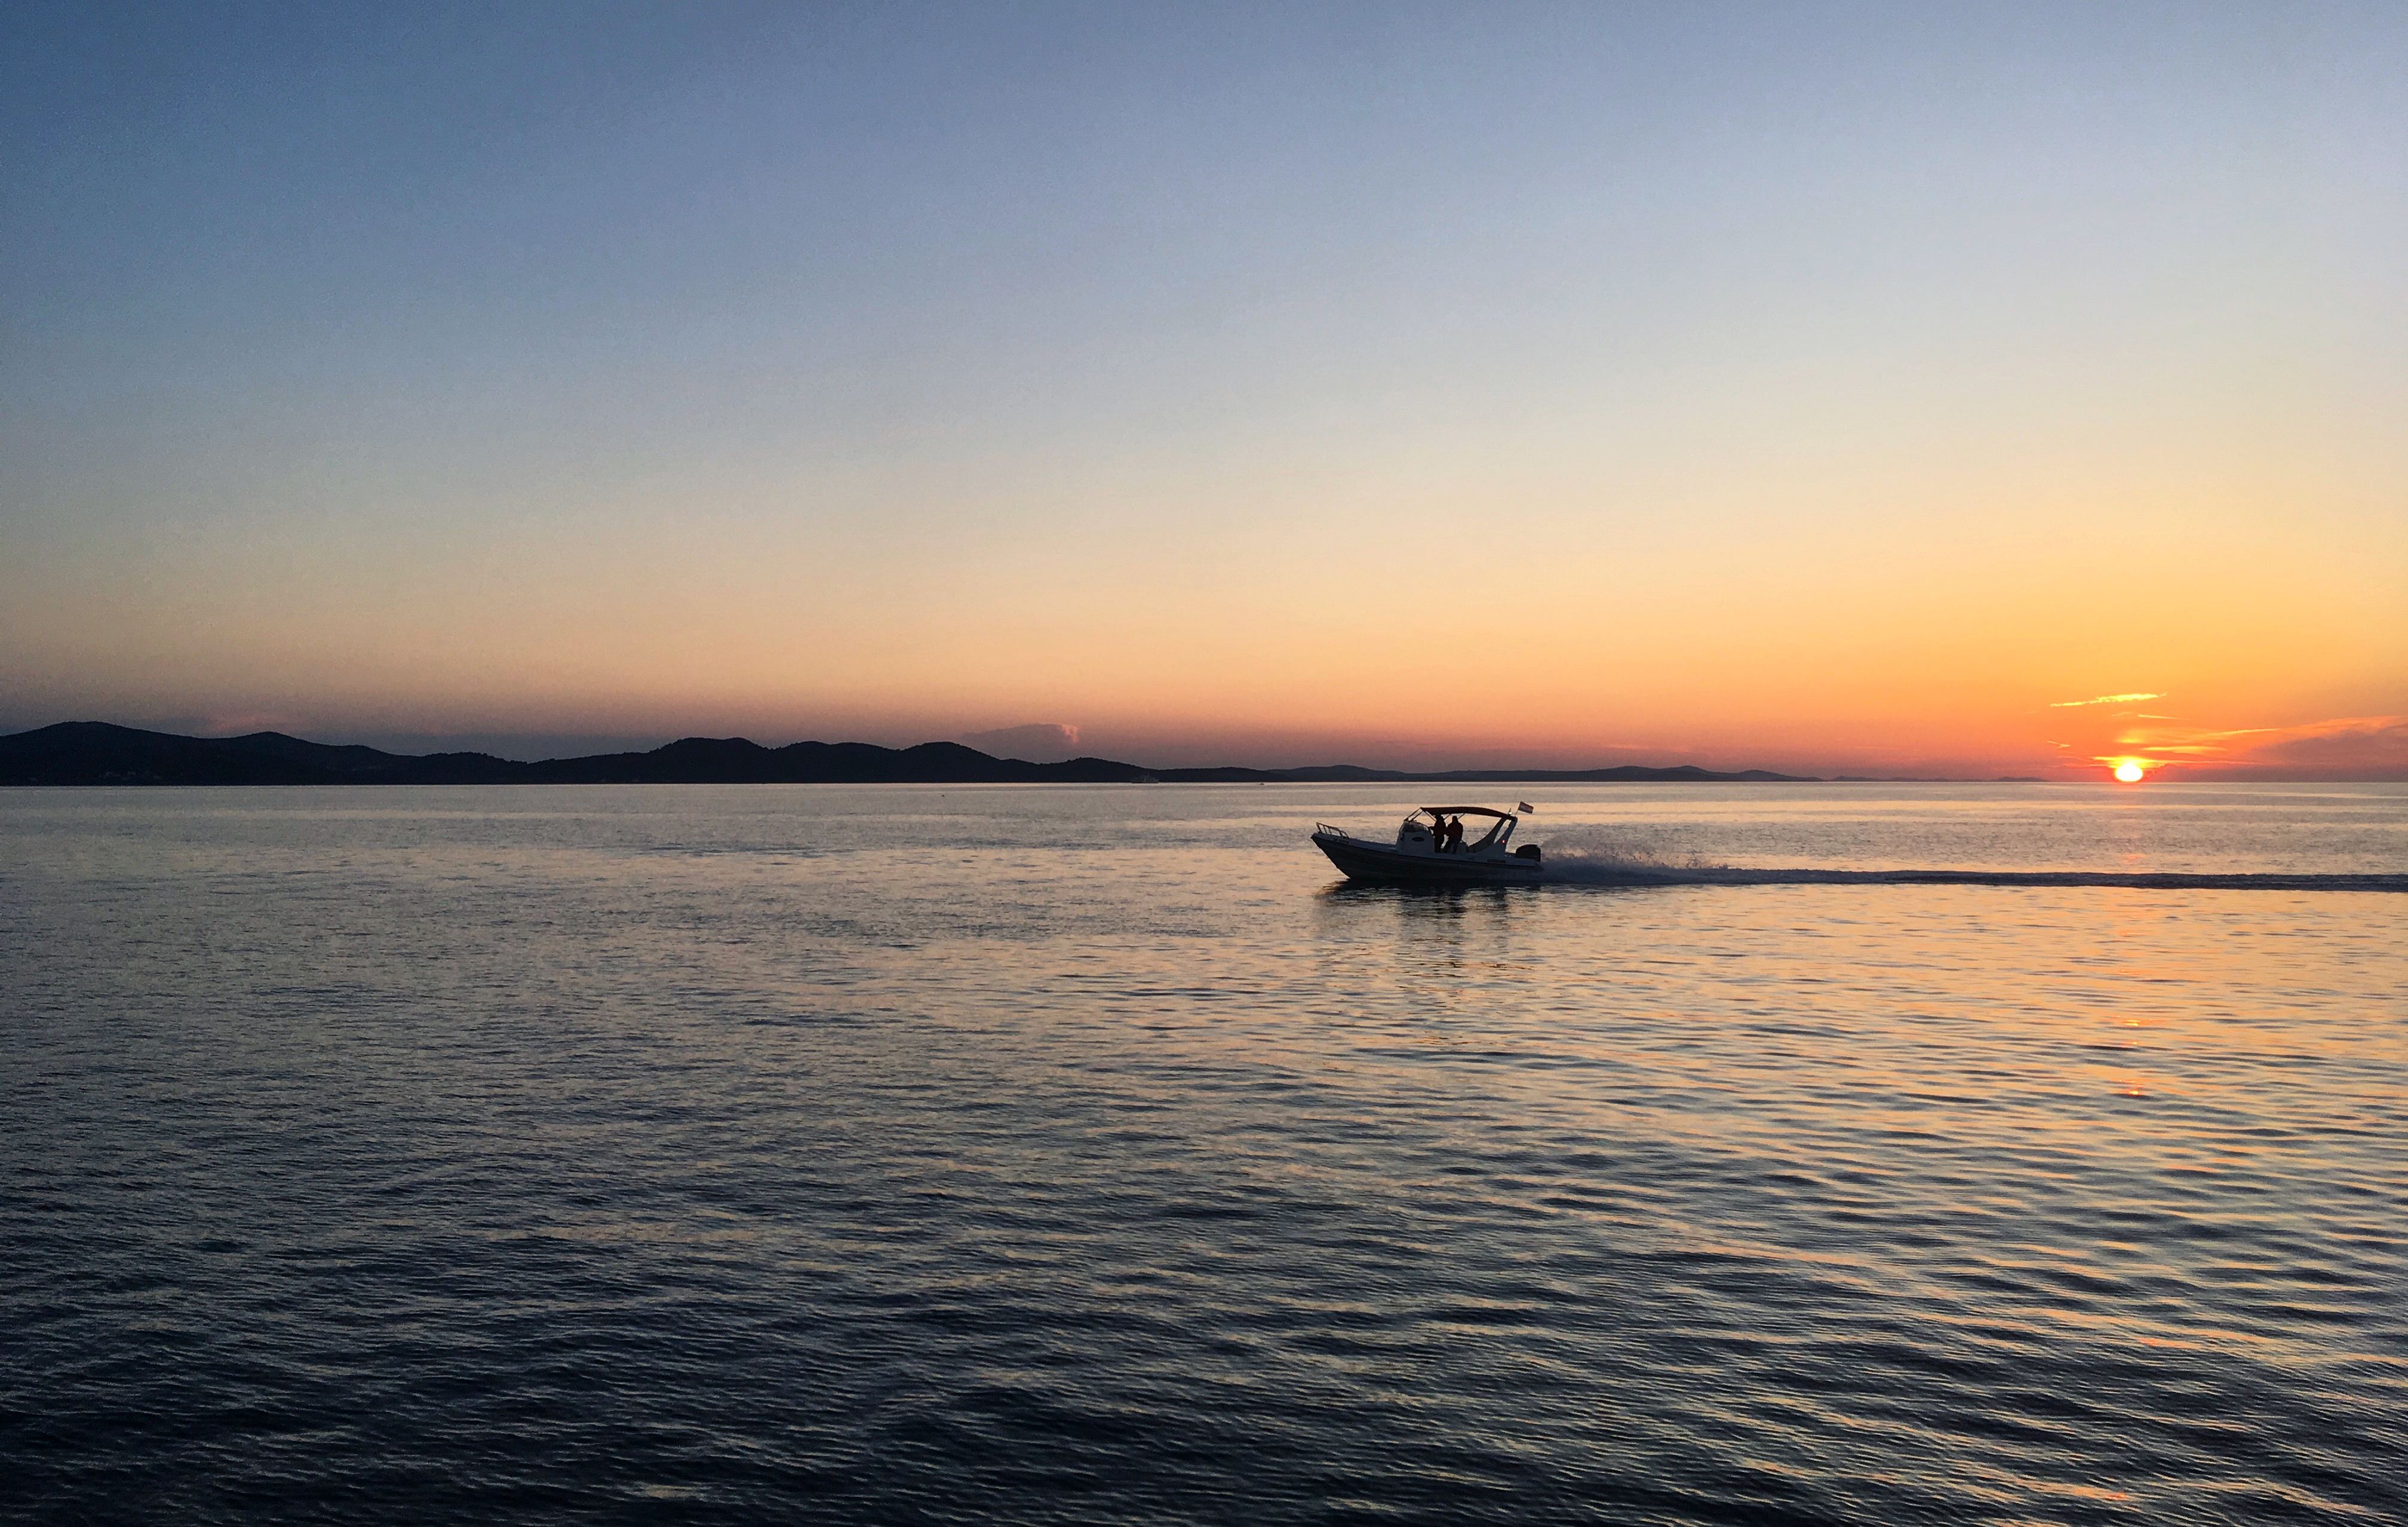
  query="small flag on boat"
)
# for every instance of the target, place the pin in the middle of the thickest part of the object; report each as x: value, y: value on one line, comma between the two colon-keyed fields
x: 1525, y: 806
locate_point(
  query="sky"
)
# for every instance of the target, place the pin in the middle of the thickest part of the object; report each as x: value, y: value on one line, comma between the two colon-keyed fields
x: 1866, y: 389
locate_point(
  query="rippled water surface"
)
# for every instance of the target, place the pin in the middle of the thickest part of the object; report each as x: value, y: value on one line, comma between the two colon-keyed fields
x: 836, y: 1154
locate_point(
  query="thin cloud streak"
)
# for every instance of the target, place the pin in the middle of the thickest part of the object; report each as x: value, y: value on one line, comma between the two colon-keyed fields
x: 2344, y: 746
x: 2374, y: 745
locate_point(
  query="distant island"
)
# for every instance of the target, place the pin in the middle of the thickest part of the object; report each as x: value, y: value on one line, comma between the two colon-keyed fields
x: 99, y: 753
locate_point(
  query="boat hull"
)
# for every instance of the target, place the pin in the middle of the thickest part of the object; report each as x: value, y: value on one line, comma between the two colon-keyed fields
x: 1360, y: 860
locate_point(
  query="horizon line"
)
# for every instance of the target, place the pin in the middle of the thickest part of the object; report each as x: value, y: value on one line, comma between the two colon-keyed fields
x: 2170, y: 772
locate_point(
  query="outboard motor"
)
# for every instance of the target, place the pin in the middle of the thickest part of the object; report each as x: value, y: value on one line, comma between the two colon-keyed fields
x: 1529, y: 852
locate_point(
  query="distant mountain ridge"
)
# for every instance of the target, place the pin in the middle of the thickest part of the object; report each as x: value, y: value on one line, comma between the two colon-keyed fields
x: 100, y: 753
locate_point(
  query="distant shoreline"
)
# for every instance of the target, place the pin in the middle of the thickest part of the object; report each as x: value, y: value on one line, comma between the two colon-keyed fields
x: 101, y: 753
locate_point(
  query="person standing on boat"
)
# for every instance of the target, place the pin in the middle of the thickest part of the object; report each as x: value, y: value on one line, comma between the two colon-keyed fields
x: 1454, y: 834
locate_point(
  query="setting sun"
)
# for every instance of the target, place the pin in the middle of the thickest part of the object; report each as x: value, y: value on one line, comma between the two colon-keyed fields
x: 2130, y: 771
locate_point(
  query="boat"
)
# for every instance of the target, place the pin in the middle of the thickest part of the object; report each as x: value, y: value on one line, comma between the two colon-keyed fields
x: 1418, y: 856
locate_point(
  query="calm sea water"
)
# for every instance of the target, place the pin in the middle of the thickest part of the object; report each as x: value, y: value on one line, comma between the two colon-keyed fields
x: 952, y: 1155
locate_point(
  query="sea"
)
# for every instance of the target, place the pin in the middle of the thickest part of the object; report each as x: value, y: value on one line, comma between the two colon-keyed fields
x: 1879, y: 1153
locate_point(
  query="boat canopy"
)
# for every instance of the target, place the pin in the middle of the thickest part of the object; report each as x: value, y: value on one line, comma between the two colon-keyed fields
x: 1467, y: 811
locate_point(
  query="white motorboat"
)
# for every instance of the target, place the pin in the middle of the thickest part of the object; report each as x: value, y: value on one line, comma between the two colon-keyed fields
x: 1421, y: 854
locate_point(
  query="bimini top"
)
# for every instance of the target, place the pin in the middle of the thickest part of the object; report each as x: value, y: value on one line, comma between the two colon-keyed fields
x: 1467, y: 811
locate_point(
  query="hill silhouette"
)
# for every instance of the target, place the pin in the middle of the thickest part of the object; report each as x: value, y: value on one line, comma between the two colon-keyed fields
x: 99, y: 753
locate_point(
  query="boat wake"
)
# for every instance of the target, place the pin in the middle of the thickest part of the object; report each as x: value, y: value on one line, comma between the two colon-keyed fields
x: 1604, y: 869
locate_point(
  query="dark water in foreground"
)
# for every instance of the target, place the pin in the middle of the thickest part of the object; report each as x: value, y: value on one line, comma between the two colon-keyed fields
x: 832, y: 1154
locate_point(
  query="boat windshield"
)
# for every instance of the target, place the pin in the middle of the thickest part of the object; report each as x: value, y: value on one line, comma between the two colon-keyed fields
x: 1429, y: 819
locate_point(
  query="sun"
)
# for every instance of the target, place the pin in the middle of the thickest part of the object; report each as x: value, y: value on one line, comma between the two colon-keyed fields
x: 2130, y: 772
